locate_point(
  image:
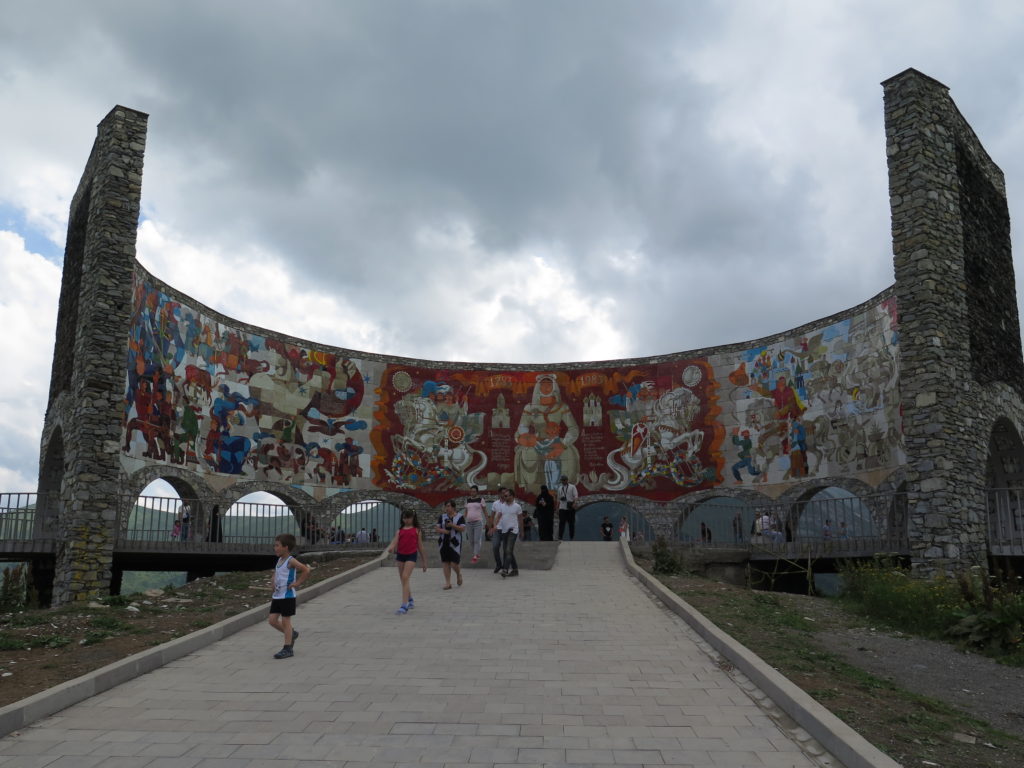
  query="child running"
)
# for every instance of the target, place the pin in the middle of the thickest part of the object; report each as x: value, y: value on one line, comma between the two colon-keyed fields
x: 282, y: 603
x: 407, y: 544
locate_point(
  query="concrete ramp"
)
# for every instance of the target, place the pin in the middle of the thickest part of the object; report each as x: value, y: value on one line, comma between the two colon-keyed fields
x: 574, y: 665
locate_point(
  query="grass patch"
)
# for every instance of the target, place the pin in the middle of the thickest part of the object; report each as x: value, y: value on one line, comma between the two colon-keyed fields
x: 788, y: 632
x: 110, y: 624
x: 12, y: 643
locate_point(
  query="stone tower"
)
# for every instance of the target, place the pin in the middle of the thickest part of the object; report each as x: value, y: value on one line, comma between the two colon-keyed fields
x: 79, y: 456
x: 961, y: 365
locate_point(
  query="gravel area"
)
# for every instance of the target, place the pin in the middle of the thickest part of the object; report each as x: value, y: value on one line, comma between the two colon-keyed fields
x: 975, y: 684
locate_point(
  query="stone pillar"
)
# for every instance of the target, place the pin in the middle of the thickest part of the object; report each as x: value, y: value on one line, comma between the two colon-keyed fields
x: 85, y: 410
x: 957, y: 313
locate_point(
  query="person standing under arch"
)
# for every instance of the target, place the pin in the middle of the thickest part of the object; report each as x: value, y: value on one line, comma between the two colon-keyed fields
x: 544, y: 508
x: 567, y: 498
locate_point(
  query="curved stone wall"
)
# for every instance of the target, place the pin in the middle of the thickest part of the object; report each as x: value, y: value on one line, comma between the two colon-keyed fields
x: 236, y: 404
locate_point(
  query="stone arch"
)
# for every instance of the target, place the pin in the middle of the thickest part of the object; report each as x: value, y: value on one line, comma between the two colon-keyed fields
x: 795, y: 501
x: 643, y: 516
x: 334, y: 504
x: 51, y: 479
x: 295, y: 498
x: 187, y: 484
x: 1005, y: 466
x: 303, y: 506
x: 685, y: 508
x: 331, y: 507
x: 191, y: 488
x: 1004, y: 483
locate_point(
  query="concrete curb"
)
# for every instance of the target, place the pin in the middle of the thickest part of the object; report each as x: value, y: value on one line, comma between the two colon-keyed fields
x: 848, y: 746
x: 45, y: 703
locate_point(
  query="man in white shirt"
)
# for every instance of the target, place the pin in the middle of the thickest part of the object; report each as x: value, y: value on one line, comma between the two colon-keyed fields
x: 507, y: 519
x: 567, y: 496
x: 362, y: 537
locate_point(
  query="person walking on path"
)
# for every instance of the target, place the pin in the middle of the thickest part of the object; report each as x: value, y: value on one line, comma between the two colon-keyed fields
x: 508, y: 519
x: 282, y: 602
x: 544, y: 508
x: 450, y: 525
x: 407, y: 545
x: 606, y: 529
x: 475, y: 523
x: 492, y: 530
x: 567, y: 498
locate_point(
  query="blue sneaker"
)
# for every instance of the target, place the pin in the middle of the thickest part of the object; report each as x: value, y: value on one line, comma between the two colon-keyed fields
x: 410, y: 605
x: 403, y: 609
x: 295, y: 636
x: 284, y: 653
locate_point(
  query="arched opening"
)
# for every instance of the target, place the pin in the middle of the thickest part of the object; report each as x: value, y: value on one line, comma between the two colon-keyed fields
x: 158, y: 518
x: 719, y: 521
x: 590, y: 517
x: 258, y: 517
x: 51, y: 476
x: 160, y: 513
x: 368, y: 523
x: 1005, y: 485
x: 831, y: 513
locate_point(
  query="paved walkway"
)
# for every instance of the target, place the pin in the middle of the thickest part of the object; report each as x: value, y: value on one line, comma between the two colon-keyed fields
x: 576, y: 665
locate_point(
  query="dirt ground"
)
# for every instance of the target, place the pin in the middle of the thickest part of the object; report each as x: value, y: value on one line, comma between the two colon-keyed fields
x: 924, y: 703
x: 40, y: 649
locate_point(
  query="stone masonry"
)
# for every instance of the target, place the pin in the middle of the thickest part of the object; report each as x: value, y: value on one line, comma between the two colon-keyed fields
x: 959, y: 331
x: 81, y: 437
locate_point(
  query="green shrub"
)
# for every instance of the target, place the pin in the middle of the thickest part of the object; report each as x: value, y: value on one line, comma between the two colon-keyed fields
x: 970, y: 608
x: 52, y: 641
x: 888, y: 593
x: 13, y: 588
x: 110, y: 624
x: 12, y: 643
x: 665, y: 560
x: 991, y: 618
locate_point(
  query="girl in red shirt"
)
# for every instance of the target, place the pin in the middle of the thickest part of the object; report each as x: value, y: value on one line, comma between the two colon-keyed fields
x: 407, y: 544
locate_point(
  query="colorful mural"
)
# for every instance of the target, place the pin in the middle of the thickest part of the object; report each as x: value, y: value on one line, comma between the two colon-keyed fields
x: 647, y: 429
x: 220, y: 401
x: 234, y: 405
x: 826, y: 403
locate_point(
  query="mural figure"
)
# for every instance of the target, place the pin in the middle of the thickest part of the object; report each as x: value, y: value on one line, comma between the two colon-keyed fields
x: 545, y: 439
x: 659, y: 436
x: 435, y: 448
x: 744, y: 443
x: 229, y: 402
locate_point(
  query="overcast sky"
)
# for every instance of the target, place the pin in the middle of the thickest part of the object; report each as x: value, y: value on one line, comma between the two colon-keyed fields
x: 528, y: 181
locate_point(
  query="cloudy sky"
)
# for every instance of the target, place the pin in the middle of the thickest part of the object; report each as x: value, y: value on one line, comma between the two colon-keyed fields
x: 528, y: 181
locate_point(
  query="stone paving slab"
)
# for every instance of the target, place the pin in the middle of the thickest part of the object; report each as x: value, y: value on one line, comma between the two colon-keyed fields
x: 566, y: 667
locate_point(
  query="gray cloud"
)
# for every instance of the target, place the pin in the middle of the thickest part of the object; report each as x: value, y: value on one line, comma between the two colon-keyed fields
x: 698, y: 173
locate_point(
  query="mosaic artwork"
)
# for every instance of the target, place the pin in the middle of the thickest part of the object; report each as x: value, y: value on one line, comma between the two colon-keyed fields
x: 826, y: 403
x: 233, y: 405
x: 647, y: 429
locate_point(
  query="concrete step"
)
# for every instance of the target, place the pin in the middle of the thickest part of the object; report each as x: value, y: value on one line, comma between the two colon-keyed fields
x: 530, y: 555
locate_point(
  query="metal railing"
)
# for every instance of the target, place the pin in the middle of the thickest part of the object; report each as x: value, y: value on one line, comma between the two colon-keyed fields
x: 17, y: 516
x: 874, y: 523
x: 1005, y: 507
x: 174, y: 524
